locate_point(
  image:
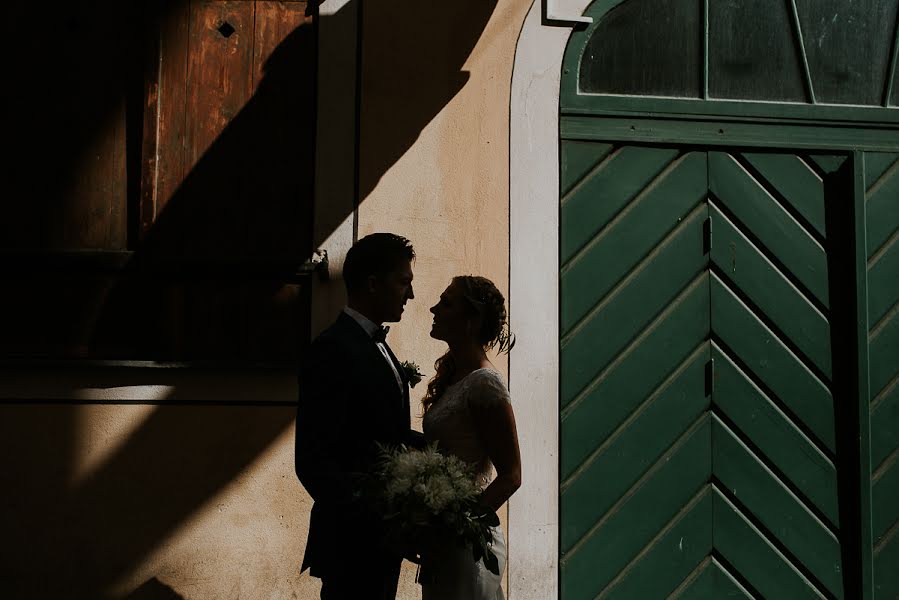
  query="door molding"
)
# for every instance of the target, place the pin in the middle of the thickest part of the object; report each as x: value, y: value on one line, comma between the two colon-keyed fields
x: 534, y: 287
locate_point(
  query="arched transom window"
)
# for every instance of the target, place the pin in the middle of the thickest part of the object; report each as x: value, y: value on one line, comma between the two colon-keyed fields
x: 795, y: 51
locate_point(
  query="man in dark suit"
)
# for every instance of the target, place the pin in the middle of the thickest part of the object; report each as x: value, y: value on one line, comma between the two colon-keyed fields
x: 353, y: 396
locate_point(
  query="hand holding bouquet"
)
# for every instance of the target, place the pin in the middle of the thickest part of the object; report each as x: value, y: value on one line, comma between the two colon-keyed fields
x: 425, y: 495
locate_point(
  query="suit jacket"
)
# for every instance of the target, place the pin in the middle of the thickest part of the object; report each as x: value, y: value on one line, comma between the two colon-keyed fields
x: 349, y: 402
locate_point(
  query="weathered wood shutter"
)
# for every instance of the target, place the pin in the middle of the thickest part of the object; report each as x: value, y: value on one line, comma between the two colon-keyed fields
x: 186, y: 187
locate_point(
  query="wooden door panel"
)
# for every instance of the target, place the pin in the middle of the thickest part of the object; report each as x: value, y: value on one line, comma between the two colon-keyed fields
x: 591, y: 490
x: 609, y: 547
x: 770, y: 292
x: 765, y: 219
x: 795, y: 183
x: 774, y: 506
x: 697, y: 309
x: 807, y: 468
x: 631, y: 234
x: 710, y: 580
x: 774, y: 293
x: 882, y: 204
x: 600, y: 183
x: 667, y: 343
x: 617, y: 319
x: 752, y: 558
x: 772, y: 365
x: 684, y: 542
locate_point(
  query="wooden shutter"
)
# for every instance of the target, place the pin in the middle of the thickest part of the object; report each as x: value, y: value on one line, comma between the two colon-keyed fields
x: 191, y: 189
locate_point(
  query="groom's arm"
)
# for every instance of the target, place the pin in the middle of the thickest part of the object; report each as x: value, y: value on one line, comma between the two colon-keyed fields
x: 321, y: 415
x: 415, y: 439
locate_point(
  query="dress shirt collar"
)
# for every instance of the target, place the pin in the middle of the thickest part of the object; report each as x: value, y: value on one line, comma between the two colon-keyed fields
x: 367, y: 324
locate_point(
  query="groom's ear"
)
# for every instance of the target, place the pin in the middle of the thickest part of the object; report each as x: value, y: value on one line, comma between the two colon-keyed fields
x: 371, y: 284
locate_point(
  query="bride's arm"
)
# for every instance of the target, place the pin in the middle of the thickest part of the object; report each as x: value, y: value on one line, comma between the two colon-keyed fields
x: 495, y: 424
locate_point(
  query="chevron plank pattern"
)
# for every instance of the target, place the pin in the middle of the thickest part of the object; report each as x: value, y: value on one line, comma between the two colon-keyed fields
x: 882, y: 206
x: 697, y: 430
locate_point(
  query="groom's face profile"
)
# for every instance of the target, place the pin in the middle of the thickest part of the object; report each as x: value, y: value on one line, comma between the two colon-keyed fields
x: 390, y: 292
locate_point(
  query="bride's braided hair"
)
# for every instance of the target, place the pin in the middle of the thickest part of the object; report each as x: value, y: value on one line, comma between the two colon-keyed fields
x: 485, y: 301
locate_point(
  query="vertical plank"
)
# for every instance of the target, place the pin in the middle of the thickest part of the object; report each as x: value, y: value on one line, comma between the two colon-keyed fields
x: 149, y: 152
x: 64, y: 121
x: 90, y: 212
x: 275, y: 20
x: 278, y: 124
x: 218, y: 70
x: 863, y: 395
x: 173, y: 53
x: 96, y: 197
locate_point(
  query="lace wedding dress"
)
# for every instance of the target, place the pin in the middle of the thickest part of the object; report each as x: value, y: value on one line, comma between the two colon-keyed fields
x: 449, y: 572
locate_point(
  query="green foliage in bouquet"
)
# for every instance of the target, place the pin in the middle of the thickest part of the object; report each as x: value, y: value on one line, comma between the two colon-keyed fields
x: 425, y: 495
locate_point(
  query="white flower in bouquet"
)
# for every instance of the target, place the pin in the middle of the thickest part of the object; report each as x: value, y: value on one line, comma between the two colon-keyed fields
x: 424, y: 493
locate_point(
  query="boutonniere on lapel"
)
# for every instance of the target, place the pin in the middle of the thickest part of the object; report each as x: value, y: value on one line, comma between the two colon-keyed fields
x: 413, y: 375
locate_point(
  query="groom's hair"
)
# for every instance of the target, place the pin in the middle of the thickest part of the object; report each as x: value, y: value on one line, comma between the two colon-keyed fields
x: 376, y: 254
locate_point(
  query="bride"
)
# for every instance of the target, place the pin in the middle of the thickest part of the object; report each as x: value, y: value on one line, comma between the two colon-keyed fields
x: 467, y: 411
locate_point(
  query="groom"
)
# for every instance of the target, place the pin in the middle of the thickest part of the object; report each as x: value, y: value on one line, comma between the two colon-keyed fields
x: 353, y: 396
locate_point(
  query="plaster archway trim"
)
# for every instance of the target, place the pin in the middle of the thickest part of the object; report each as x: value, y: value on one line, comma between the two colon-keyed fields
x: 534, y: 300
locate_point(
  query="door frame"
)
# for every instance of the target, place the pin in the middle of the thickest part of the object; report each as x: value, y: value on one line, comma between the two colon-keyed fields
x: 534, y: 287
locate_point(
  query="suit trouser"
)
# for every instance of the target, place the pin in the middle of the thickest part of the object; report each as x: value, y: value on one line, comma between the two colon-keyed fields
x: 375, y: 582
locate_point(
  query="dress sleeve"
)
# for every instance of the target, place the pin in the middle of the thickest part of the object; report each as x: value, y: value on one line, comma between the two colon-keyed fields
x: 488, y: 389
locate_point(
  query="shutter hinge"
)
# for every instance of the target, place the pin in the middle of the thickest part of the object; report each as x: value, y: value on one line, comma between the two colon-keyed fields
x: 707, y: 236
x: 709, y: 377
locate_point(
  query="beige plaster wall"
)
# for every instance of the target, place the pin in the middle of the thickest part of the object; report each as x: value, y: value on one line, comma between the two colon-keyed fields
x: 434, y: 153
x: 434, y: 144
x: 150, y: 485
x: 147, y: 486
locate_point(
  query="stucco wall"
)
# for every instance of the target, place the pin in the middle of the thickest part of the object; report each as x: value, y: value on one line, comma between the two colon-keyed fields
x: 440, y: 177
x: 434, y: 153
x: 150, y: 483
x: 146, y: 484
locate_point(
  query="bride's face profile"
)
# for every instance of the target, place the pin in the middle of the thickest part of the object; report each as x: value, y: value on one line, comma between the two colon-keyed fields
x: 452, y: 317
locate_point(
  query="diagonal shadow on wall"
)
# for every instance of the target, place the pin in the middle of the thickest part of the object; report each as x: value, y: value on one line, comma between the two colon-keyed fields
x: 95, y: 532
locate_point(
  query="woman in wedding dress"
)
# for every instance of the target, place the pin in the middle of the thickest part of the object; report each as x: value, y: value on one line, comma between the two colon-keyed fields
x: 467, y: 411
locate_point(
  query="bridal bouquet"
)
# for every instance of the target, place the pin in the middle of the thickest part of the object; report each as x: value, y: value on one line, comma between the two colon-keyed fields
x: 424, y: 495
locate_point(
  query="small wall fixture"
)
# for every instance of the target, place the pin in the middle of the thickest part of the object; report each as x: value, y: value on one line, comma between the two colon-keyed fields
x: 556, y: 15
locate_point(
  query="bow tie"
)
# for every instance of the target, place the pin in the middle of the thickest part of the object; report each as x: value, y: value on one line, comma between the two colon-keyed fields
x: 380, y: 335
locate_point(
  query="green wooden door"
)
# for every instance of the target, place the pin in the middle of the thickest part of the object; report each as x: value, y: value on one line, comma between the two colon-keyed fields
x: 729, y: 352
x: 698, y: 433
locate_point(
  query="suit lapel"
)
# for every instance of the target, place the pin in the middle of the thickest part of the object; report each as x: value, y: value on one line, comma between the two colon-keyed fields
x: 381, y: 371
x: 402, y: 372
